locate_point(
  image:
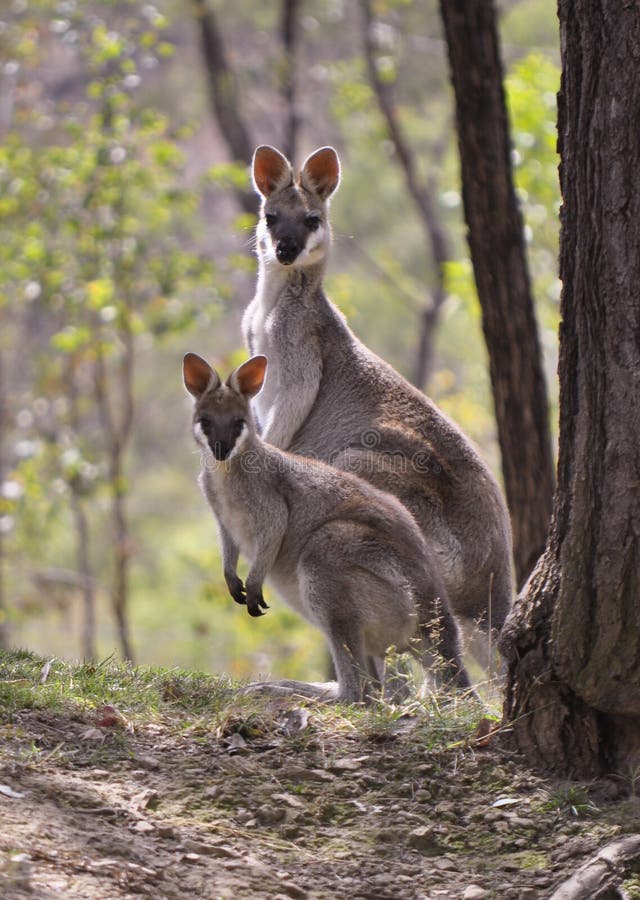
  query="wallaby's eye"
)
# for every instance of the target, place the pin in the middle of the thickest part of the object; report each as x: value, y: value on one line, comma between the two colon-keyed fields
x: 204, y: 422
x: 238, y: 425
x: 312, y: 222
x: 270, y: 219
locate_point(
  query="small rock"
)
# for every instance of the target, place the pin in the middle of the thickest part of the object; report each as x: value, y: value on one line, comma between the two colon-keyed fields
x: 213, y: 792
x: 143, y: 827
x: 423, y: 839
x: 348, y: 765
x: 475, y: 892
x: 166, y: 831
x: 269, y: 815
x: 444, y: 864
x: 528, y: 894
x: 148, y: 762
x: 299, y: 773
x: 388, y: 835
x: 290, y: 800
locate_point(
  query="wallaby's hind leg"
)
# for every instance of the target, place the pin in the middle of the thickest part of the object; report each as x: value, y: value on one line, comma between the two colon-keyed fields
x: 330, y: 604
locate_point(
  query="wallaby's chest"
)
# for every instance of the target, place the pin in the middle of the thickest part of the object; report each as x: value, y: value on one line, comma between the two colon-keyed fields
x: 233, y: 510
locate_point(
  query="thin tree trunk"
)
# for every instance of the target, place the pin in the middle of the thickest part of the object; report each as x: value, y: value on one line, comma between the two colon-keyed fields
x: 290, y: 35
x: 4, y: 624
x: 117, y: 433
x: 496, y: 242
x: 572, y: 642
x: 224, y: 96
x: 88, y: 584
x: 422, y: 195
x: 81, y: 523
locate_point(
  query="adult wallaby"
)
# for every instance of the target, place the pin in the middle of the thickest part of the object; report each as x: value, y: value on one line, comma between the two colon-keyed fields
x: 330, y: 397
x: 345, y: 555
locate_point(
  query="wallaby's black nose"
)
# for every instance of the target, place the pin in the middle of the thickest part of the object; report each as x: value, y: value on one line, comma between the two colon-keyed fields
x: 220, y: 449
x: 286, y: 251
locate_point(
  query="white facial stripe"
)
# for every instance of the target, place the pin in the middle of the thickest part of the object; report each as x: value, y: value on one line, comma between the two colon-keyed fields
x: 241, y: 439
x: 315, y: 248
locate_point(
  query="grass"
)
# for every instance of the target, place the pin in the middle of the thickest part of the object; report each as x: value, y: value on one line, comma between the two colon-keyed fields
x: 144, y: 693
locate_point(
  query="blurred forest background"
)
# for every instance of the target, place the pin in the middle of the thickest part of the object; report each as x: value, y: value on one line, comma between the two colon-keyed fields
x: 126, y: 239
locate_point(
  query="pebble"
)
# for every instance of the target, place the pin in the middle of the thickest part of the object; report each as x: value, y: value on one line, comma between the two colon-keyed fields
x: 475, y: 892
x: 423, y: 839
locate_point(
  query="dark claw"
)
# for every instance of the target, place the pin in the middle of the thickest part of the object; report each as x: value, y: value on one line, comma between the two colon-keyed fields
x: 255, y: 611
x: 254, y: 603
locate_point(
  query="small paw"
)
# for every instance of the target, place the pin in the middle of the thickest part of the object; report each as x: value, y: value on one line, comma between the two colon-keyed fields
x: 237, y: 589
x: 255, y: 601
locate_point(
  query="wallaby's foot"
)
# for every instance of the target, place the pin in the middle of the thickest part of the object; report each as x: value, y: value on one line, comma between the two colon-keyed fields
x: 328, y: 690
x: 255, y: 601
x: 237, y: 589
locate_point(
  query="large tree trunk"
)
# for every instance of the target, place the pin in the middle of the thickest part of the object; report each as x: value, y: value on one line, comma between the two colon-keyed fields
x: 573, y: 640
x: 496, y: 243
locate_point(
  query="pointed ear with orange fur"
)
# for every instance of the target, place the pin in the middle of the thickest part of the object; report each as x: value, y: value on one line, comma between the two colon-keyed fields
x: 321, y: 172
x: 198, y: 375
x: 271, y: 170
x: 249, y: 377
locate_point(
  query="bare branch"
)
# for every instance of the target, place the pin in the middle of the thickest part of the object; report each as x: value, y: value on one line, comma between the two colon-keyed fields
x: 290, y: 34
x: 223, y: 93
x: 422, y: 195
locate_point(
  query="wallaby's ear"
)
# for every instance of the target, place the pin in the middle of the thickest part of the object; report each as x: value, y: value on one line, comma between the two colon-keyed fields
x: 271, y: 170
x: 198, y: 375
x: 321, y: 172
x: 249, y: 377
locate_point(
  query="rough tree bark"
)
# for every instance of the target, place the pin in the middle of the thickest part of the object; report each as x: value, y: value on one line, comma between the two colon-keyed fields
x: 422, y: 194
x: 573, y: 640
x: 496, y: 242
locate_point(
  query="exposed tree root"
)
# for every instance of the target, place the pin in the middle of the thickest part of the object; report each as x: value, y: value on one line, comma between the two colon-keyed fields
x: 600, y: 877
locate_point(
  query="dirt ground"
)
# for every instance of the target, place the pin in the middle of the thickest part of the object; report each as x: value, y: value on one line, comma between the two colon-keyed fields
x: 284, y: 803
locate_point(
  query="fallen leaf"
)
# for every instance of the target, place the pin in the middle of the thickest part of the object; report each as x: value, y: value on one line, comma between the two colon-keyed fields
x: 235, y: 742
x: 9, y: 792
x: 505, y: 801
x: 485, y: 730
x: 44, y: 672
x: 108, y: 717
x: 295, y: 720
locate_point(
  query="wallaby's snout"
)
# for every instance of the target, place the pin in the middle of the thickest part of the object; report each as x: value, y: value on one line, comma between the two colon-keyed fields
x: 287, y: 249
x: 221, y: 433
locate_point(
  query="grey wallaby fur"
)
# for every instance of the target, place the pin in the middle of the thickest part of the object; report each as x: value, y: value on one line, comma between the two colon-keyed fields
x: 345, y: 555
x: 328, y: 396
